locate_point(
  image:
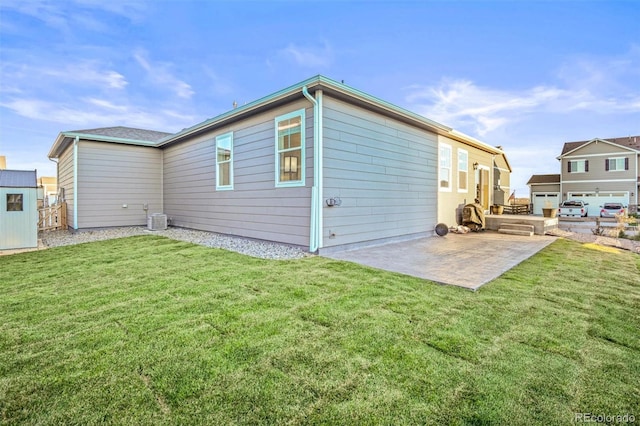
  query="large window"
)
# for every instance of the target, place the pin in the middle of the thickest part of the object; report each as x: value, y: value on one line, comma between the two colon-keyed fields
x: 444, y: 171
x: 224, y: 161
x: 578, y: 166
x: 616, y: 164
x: 290, y: 160
x: 15, y: 203
x: 463, y: 170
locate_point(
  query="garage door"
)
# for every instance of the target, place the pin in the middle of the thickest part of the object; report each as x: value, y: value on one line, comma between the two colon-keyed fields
x: 595, y: 200
x: 541, y: 199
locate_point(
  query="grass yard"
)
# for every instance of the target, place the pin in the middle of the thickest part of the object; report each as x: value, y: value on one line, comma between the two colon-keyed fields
x: 147, y: 330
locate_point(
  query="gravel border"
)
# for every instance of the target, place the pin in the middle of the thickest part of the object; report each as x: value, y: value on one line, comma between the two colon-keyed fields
x: 250, y: 247
x: 622, y: 243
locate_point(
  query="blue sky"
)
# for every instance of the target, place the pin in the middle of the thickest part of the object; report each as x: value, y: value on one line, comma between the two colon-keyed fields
x: 528, y: 76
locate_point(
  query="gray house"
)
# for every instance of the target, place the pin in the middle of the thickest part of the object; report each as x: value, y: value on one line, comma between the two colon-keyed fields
x: 318, y: 164
x: 18, y: 209
x: 596, y: 171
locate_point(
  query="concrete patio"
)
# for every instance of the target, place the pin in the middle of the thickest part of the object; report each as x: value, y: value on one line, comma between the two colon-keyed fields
x: 466, y: 260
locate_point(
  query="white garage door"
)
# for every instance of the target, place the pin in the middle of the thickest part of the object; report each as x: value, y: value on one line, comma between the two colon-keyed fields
x: 596, y: 200
x: 541, y: 199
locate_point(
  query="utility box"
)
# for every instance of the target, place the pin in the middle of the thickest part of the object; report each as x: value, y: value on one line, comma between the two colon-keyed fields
x: 157, y: 222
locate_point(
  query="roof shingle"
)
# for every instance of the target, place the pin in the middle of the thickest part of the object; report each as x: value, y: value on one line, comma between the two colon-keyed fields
x: 632, y: 142
x: 125, y: 133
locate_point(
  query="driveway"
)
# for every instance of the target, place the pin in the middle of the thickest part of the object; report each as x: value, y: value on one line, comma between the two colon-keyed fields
x: 465, y: 260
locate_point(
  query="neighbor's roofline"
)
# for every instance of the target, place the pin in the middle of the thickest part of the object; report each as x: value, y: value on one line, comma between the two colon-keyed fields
x: 595, y: 140
x: 321, y: 82
x: 56, y: 149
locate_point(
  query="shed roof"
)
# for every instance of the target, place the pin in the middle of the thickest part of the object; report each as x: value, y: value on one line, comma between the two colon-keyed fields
x: 542, y: 179
x: 632, y: 142
x: 18, y: 179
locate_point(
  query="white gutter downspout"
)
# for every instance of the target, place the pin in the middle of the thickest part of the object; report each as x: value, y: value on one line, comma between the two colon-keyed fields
x: 315, y: 228
x: 75, y: 182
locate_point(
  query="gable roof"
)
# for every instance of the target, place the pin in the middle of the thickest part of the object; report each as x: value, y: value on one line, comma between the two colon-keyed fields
x: 543, y: 179
x: 632, y: 142
x: 118, y: 134
x: 337, y: 90
x: 18, y: 179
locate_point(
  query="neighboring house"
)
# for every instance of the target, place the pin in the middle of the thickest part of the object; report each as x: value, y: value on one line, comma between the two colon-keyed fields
x: 47, y: 191
x: 601, y: 170
x: 318, y: 164
x: 18, y: 209
x: 596, y: 171
x: 544, y: 192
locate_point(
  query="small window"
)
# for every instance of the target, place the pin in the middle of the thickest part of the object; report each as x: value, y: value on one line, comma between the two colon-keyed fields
x: 224, y: 161
x: 15, y: 203
x: 616, y: 164
x: 290, y: 148
x: 444, y: 172
x: 463, y: 170
x: 578, y: 166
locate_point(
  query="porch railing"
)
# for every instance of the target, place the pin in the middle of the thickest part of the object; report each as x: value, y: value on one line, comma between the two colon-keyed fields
x: 53, y: 217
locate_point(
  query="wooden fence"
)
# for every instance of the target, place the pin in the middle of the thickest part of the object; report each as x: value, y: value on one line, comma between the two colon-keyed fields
x: 517, y: 209
x: 53, y: 217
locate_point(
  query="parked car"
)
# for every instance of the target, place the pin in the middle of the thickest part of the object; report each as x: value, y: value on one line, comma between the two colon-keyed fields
x: 573, y: 208
x: 612, y: 209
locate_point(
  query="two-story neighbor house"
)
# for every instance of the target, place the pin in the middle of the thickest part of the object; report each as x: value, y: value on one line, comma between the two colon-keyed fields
x: 318, y: 164
x: 595, y: 171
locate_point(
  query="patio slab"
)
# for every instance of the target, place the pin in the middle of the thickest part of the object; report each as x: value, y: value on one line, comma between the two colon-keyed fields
x: 466, y: 260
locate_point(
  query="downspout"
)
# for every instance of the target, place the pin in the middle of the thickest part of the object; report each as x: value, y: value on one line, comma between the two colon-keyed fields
x: 75, y: 182
x: 315, y: 226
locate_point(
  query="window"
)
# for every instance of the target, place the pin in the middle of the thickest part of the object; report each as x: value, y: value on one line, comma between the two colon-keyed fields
x: 14, y: 203
x: 463, y: 170
x: 444, y: 172
x: 224, y: 161
x: 616, y: 164
x: 290, y: 160
x: 578, y: 166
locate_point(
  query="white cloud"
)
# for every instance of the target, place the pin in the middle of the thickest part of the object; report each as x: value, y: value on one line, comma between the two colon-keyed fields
x: 97, y: 112
x: 309, y: 57
x: 586, y: 85
x: 160, y: 75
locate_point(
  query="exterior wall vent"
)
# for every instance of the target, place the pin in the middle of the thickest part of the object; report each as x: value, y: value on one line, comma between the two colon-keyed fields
x: 157, y: 222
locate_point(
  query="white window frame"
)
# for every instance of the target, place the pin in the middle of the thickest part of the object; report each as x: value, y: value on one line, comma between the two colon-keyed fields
x: 615, y: 160
x: 584, y: 166
x: 219, y: 139
x: 463, y: 167
x: 301, y: 182
x: 445, y: 167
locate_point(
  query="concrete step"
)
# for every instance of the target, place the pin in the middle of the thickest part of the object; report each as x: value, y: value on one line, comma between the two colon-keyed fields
x: 515, y: 232
x: 517, y: 226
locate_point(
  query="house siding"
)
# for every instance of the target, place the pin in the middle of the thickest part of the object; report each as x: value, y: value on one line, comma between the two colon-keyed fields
x: 597, y: 154
x: 111, y: 176
x: 255, y: 208
x: 384, y: 172
x: 65, y: 182
x: 450, y: 203
x: 502, y: 181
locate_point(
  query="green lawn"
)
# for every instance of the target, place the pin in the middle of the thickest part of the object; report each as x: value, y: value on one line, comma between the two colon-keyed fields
x: 147, y: 330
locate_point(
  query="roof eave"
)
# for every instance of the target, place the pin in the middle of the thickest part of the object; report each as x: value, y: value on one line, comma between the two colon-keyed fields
x: 59, y: 145
x: 317, y: 82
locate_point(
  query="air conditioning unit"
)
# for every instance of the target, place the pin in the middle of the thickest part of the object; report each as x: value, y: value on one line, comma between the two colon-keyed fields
x: 157, y: 222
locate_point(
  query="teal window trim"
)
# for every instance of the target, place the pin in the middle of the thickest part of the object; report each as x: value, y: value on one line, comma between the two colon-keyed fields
x: 291, y: 162
x: 224, y: 159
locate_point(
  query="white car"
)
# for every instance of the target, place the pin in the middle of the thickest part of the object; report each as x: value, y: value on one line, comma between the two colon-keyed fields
x: 573, y: 208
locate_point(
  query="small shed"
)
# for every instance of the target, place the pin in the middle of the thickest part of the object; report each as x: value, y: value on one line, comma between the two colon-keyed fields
x: 18, y: 209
